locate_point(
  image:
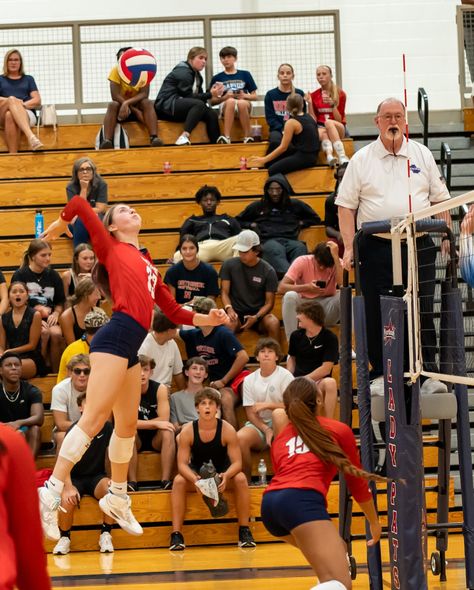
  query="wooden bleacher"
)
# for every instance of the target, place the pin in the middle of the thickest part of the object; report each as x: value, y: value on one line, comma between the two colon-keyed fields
x: 31, y: 181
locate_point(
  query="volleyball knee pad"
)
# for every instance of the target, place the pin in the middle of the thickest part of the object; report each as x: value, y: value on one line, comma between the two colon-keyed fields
x: 331, y: 585
x: 75, y: 444
x: 120, y: 449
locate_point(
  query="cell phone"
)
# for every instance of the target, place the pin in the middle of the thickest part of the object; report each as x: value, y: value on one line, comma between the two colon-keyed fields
x: 321, y: 284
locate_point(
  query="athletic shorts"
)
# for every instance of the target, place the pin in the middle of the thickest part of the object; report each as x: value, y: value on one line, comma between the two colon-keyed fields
x: 146, y: 437
x: 322, y: 125
x: 87, y: 483
x: 284, y: 510
x: 236, y: 108
x: 263, y: 438
x: 122, y: 336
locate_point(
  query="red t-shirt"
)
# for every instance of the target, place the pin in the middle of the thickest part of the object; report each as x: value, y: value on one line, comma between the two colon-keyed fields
x: 324, y: 110
x: 295, y: 466
x: 135, y: 284
x: 23, y: 560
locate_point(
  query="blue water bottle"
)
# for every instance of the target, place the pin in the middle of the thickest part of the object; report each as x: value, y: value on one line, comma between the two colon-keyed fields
x: 39, y: 223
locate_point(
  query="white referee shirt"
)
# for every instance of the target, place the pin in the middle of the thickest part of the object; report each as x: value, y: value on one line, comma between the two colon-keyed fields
x: 376, y: 182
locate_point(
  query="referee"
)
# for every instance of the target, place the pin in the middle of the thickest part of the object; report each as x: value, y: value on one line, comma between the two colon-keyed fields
x: 376, y: 187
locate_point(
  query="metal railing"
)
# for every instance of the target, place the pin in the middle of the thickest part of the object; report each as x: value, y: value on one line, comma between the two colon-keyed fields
x: 465, y: 26
x: 423, y: 113
x: 70, y: 61
x: 445, y: 163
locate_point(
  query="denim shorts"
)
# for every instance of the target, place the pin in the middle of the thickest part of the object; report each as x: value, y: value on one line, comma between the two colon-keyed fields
x: 284, y: 510
x: 122, y: 336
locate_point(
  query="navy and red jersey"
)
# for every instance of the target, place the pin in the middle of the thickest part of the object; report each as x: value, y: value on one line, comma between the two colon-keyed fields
x: 135, y: 284
x: 323, y: 110
x: 295, y: 466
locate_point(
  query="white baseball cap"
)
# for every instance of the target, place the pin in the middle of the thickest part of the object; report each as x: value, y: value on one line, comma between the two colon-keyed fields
x: 246, y: 240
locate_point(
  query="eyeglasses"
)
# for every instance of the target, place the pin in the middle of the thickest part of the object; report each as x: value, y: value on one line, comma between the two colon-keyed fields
x: 398, y: 117
x: 86, y: 169
x: 78, y: 371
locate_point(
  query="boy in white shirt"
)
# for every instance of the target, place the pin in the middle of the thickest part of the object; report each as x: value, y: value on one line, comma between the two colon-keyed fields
x: 262, y: 393
x: 160, y: 345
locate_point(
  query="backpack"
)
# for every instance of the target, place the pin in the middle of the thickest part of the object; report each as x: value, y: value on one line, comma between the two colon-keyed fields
x: 120, y: 139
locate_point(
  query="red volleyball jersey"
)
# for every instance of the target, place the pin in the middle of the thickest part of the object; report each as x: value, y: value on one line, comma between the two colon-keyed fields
x: 324, y: 110
x: 135, y: 284
x: 295, y: 466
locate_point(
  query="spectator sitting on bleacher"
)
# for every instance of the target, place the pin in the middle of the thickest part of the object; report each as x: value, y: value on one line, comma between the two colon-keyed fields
x: 182, y: 406
x: 181, y: 97
x: 93, y: 321
x: 313, y: 351
x: 89, y: 184
x: 21, y: 404
x: 239, y: 89
x: 209, y: 439
x: 276, y: 112
x: 20, y: 332
x: 331, y: 213
x: 154, y: 429
x: 216, y: 233
x: 190, y: 277
x: 83, y: 261
x: 312, y: 276
x: 88, y: 476
x: 278, y: 219
x: 19, y: 97
x: 262, y: 393
x: 129, y: 103
x: 327, y: 105
x: 46, y: 295
x: 83, y: 301
x: 248, y: 287
x: 225, y: 356
x: 65, y: 393
x: 299, y: 145
x: 160, y: 345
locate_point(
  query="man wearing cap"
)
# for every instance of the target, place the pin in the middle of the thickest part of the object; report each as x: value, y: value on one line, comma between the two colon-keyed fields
x: 248, y: 287
x: 93, y: 321
x: 278, y: 220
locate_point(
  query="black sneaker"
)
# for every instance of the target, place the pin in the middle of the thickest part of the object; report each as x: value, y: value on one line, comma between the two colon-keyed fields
x: 245, y: 537
x: 177, y: 541
x: 156, y: 141
x: 132, y: 486
x: 106, y: 145
x: 166, y: 484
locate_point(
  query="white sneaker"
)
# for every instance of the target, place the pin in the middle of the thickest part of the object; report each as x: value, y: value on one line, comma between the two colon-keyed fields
x: 433, y: 386
x: 49, y: 505
x: 223, y: 139
x: 331, y: 160
x: 63, y: 546
x: 248, y: 140
x: 105, y: 543
x: 119, y: 508
x: 183, y: 140
x: 343, y: 160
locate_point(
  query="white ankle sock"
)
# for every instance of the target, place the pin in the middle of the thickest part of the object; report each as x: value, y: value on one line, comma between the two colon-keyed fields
x: 118, y: 489
x: 55, y: 485
x: 339, y: 147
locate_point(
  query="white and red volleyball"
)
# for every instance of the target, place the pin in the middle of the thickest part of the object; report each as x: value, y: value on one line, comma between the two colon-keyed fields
x: 137, y: 67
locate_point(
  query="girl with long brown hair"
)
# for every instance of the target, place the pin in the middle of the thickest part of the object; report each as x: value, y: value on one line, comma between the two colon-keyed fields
x: 307, y: 452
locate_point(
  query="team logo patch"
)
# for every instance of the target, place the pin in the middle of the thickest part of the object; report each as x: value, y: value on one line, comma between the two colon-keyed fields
x: 414, y: 168
x: 388, y: 333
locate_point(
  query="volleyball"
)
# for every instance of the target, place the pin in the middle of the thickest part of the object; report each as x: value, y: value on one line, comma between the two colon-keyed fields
x: 137, y: 67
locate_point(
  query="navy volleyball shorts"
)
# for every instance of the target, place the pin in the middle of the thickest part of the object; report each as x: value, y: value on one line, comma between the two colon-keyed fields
x: 122, y: 336
x: 284, y: 510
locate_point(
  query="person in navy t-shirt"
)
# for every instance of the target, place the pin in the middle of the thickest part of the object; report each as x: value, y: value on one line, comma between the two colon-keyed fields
x: 239, y: 90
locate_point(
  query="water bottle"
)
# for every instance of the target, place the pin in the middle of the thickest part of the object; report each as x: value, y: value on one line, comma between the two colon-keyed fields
x: 39, y: 223
x: 262, y: 473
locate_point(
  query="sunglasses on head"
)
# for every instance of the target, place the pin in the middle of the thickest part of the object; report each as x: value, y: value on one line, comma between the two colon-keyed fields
x: 78, y: 371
